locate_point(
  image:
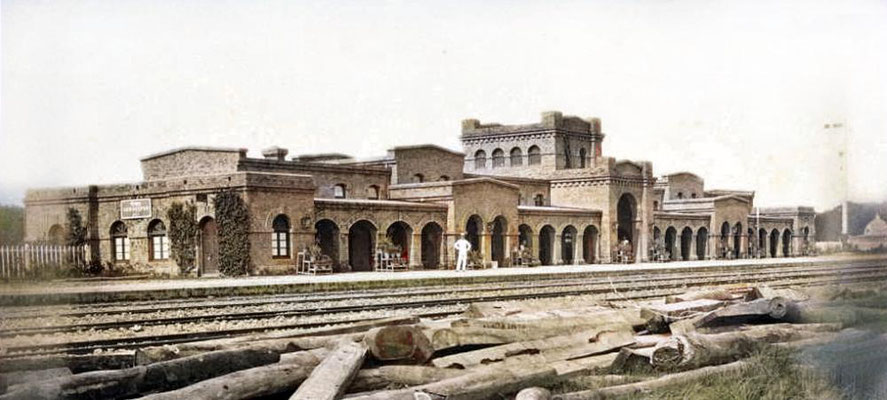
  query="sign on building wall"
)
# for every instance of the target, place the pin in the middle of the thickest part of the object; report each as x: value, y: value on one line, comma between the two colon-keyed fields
x: 135, y: 209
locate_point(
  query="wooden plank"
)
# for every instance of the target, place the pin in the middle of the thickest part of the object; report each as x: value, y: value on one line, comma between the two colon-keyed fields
x: 330, y: 379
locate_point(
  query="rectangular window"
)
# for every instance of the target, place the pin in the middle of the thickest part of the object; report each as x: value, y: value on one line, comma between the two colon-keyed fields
x: 280, y: 244
x: 121, y: 248
x: 159, y: 247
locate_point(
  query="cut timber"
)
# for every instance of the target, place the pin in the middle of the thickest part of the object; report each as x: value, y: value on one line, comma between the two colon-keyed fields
x: 20, y: 377
x: 765, y: 292
x: 696, y: 350
x: 653, y: 384
x: 506, y: 309
x: 534, y: 393
x: 567, y: 321
x: 633, y: 359
x: 309, y: 339
x: 330, y: 379
x: 556, y: 348
x: 641, y: 341
x: 399, y: 375
x: 128, y: 382
x: 76, y: 363
x: 259, y: 382
x: 486, y: 382
x: 711, y: 294
x: 658, y: 317
x: 775, y: 308
x: 399, y: 343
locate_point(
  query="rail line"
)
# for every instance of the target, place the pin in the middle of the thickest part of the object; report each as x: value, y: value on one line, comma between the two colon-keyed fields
x: 650, y: 289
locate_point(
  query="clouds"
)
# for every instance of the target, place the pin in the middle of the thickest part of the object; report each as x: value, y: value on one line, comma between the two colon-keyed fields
x: 737, y: 91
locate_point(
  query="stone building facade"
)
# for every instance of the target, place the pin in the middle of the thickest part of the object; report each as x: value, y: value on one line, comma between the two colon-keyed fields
x: 545, y: 187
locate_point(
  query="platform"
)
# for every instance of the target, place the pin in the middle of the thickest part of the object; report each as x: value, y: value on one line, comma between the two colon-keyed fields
x: 62, y: 291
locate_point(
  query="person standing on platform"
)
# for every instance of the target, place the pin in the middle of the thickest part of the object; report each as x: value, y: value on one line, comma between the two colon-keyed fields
x: 462, y: 248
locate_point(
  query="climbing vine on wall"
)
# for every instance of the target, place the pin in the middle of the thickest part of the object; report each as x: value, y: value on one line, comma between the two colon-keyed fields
x: 232, y: 217
x: 183, y: 235
x: 74, y: 228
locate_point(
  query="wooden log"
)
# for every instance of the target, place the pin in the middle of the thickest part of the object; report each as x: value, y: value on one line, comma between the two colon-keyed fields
x: 765, y: 292
x: 76, y: 363
x: 399, y: 343
x: 533, y: 393
x: 709, y: 294
x: 128, y: 382
x: 399, y: 375
x: 330, y: 379
x: 308, y: 339
x: 653, y: 384
x: 776, y: 308
x: 633, y: 359
x: 557, y: 321
x: 10, y: 379
x: 658, y: 317
x: 270, y: 380
x: 559, y: 347
x: 695, y: 350
x: 506, y: 309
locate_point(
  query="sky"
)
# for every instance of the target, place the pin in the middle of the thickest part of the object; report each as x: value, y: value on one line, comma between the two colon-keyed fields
x: 738, y: 92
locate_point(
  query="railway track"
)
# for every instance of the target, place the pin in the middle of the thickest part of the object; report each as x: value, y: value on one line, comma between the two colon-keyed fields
x: 496, y: 293
x: 619, y: 288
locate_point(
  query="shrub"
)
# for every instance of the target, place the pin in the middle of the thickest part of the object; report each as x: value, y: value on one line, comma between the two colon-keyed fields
x: 76, y: 232
x: 183, y: 235
x: 232, y: 217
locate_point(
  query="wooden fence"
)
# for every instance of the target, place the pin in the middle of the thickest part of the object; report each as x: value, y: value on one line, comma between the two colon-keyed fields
x: 36, y: 260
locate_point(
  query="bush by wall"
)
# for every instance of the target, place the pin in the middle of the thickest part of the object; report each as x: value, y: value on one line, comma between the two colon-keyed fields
x: 183, y: 235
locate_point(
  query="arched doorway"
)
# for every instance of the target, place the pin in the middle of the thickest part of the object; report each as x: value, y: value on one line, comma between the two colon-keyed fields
x: 568, y: 243
x: 326, y: 236
x: 750, y: 245
x: 546, y: 238
x: 431, y: 239
x: 401, y: 234
x: 762, y: 242
x: 360, y: 245
x: 497, y: 240
x: 737, y: 240
x: 774, y: 242
x: 686, y: 243
x: 670, y: 237
x: 209, y: 246
x: 56, y: 235
x: 701, y: 243
x: 626, y: 210
x: 724, y: 240
x: 525, y: 236
x: 589, y: 244
x: 473, y: 230
x: 787, y: 243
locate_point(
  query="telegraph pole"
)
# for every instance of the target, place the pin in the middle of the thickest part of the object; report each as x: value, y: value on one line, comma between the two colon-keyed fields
x: 842, y: 153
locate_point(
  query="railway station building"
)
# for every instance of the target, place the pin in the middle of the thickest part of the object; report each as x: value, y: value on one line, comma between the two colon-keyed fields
x: 546, y: 187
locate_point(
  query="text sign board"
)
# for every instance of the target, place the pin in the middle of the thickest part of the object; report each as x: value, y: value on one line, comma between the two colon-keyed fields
x: 135, y: 209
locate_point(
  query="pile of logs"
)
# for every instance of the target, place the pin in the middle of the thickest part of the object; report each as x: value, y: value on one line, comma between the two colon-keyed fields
x: 492, y: 351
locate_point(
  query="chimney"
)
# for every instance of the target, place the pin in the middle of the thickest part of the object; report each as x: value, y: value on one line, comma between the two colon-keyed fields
x: 275, y: 153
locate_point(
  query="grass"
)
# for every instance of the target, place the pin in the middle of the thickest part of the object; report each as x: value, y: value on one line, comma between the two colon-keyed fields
x: 773, y: 374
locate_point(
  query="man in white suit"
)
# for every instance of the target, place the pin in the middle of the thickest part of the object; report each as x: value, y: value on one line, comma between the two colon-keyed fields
x: 462, y: 248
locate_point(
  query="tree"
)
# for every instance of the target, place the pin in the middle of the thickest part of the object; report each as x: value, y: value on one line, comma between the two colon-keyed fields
x: 74, y: 228
x: 233, y: 220
x: 11, y: 224
x: 183, y: 235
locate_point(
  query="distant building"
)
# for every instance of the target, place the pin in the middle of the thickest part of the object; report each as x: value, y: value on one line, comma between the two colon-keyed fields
x: 547, y: 186
x: 874, y: 236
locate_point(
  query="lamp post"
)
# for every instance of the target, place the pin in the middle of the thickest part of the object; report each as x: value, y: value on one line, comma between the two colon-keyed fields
x: 842, y: 153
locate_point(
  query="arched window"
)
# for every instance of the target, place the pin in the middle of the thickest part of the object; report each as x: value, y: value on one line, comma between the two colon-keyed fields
x: 655, y: 205
x: 517, y: 157
x: 539, y: 200
x: 480, y: 159
x: 418, y: 178
x: 373, y: 192
x: 680, y: 195
x: 498, y: 158
x: 157, y: 240
x: 582, y: 157
x: 693, y: 195
x: 280, y: 239
x: 534, y: 155
x: 119, y: 242
x: 339, y: 191
x: 443, y: 178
